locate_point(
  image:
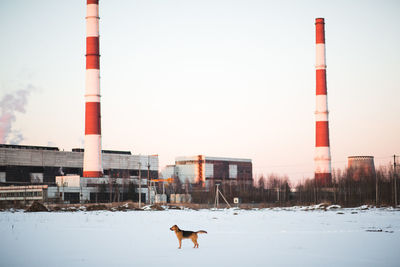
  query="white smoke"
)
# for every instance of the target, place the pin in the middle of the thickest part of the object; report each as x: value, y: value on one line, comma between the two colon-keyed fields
x: 9, y: 106
x: 16, y: 137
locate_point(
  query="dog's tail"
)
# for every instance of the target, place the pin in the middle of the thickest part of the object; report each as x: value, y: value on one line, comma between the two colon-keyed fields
x: 201, y: 232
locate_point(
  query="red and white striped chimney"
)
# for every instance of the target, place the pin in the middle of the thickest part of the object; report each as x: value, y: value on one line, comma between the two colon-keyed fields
x: 322, y: 158
x: 92, y: 166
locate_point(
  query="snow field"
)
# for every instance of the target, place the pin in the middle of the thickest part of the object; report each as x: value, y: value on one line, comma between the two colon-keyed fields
x: 271, y: 237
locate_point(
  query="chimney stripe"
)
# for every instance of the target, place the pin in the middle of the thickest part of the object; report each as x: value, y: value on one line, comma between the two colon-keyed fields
x: 320, y: 31
x: 92, y: 62
x: 321, y: 81
x: 92, y: 174
x: 322, y: 134
x: 92, y: 45
x: 92, y: 118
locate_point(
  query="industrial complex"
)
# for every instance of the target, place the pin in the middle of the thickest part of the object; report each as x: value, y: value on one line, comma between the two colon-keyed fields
x: 81, y: 175
x: 90, y: 174
x: 26, y: 165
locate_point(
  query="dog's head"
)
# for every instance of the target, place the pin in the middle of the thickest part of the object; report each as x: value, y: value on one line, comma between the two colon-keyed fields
x: 174, y: 228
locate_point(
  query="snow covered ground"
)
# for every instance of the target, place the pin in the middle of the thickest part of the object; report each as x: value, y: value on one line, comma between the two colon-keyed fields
x: 269, y: 237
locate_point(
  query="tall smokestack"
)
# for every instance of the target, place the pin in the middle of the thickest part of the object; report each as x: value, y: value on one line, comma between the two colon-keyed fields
x: 322, y: 159
x: 92, y: 166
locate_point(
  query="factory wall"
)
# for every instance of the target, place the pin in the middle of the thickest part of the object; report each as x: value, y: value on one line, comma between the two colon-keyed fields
x: 200, y: 168
x: 25, y: 164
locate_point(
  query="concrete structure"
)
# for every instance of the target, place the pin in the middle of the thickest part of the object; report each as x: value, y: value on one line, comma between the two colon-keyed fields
x: 41, y: 165
x: 322, y: 158
x: 35, y: 165
x: 76, y: 189
x: 361, y: 166
x: 24, y: 194
x: 180, y: 198
x: 92, y: 166
x: 202, y: 170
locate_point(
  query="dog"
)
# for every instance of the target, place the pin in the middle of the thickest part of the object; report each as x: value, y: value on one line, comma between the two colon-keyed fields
x: 182, y: 234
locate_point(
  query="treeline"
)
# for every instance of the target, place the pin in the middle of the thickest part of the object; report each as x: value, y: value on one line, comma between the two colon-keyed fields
x: 352, y: 188
x: 349, y: 188
x: 245, y: 191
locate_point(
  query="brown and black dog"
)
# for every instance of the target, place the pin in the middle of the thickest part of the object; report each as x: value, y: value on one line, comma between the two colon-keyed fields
x: 182, y: 234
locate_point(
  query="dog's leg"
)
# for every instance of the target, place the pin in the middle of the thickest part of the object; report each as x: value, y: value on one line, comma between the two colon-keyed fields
x: 180, y: 243
x: 194, y: 240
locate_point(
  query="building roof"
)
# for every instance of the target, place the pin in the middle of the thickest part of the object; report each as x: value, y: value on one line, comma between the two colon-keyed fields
x: 195, y: 158
x: 29, y: 147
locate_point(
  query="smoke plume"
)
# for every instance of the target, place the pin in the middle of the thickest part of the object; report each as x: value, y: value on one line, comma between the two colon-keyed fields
x: 9, y: 106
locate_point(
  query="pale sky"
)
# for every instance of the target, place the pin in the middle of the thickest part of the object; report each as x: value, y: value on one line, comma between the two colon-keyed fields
x: 219, y: 78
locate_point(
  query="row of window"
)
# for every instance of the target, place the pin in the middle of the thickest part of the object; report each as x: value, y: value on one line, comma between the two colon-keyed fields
x: 21, y: 194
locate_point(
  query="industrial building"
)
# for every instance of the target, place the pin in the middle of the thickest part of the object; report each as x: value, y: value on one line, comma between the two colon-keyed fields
x: 23, y: 193
x: 39, y: 165
x: 204, y: 170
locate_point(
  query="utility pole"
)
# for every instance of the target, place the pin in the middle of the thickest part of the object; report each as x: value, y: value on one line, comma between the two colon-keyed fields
x: 376, y: 189
x: 148, y: 179
x: 315, y: 190
x: 395, y: 182
x: 217, y: 193
x: 279, y: 190
x: 216, y: 203
x: 140, y: 185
